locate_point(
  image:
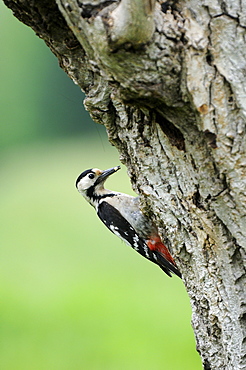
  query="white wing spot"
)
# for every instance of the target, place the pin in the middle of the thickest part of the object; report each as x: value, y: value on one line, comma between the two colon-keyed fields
x: 146, y: 250
x: 113, y: 228
x: 135, y: 242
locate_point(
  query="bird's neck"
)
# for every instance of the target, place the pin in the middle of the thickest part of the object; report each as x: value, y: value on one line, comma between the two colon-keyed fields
x: 95, y: 195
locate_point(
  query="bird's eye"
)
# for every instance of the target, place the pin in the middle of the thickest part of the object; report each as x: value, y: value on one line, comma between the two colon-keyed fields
x: 91, y: 176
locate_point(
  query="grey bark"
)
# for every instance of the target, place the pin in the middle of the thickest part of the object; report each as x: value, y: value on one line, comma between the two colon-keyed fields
x: 170, y: 87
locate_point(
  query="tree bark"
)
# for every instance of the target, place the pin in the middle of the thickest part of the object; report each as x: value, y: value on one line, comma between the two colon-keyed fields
x: 167, y: 79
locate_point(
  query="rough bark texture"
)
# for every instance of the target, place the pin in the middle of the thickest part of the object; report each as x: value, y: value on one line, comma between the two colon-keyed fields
x: 173, y: 101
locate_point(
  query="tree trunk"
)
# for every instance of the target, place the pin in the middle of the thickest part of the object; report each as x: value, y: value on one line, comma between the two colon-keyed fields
x: 167, y: 80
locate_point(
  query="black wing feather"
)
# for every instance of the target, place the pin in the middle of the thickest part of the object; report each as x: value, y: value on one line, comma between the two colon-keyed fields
x: 118, y: 225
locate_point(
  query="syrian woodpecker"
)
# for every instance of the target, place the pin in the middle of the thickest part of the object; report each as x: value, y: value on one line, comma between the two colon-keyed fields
x: 122, y: 215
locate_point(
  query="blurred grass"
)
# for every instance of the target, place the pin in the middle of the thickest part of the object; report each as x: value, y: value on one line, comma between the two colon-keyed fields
x: 38, y: 100
x: 73, y: 296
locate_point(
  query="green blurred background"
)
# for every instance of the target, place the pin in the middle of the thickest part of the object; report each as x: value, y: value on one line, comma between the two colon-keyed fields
x: 73, y: 296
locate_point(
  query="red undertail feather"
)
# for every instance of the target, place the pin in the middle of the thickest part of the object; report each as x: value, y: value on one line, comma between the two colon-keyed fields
x: 155, y: 244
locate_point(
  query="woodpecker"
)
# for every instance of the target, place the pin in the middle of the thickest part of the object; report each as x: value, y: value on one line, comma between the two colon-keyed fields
x: 122, y: 215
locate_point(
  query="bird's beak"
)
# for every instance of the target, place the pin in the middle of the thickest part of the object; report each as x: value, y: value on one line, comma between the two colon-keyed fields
x: 104, y: 175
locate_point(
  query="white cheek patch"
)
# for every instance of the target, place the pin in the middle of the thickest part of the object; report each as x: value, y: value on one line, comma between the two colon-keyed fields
x: 85, y: 183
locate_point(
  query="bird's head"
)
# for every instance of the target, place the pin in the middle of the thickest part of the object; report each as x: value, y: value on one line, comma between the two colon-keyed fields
x: 90, y: 183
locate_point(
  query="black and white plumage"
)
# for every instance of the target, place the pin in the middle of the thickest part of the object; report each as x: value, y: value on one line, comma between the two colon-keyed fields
x: 122, y: 215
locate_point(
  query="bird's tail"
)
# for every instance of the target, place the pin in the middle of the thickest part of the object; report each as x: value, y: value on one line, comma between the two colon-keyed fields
x: 164, y: 258
x: 167, y: 267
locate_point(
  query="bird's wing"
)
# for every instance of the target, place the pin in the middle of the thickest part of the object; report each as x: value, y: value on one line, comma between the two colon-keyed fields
x: 118, y: 225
